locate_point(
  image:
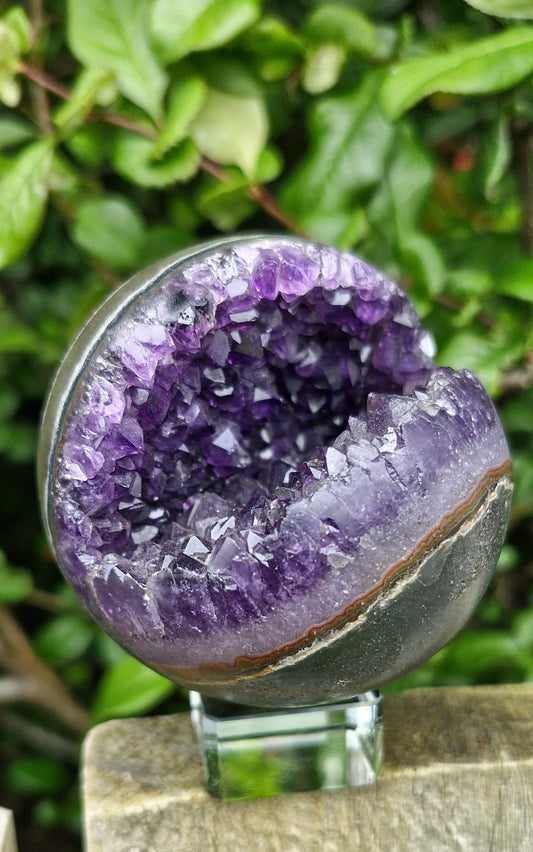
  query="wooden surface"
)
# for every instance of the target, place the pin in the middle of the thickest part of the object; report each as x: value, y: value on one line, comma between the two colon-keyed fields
x: 7, y: 831
x: 458, y: 775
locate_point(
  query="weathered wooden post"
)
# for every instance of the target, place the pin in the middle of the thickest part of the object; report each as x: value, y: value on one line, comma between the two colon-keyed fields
x: 458, y: 775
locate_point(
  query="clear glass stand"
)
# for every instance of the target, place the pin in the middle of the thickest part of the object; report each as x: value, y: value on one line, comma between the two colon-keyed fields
x: 249, y: 752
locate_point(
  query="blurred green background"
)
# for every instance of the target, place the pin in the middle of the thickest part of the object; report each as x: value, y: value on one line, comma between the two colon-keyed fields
x: 130, y: 128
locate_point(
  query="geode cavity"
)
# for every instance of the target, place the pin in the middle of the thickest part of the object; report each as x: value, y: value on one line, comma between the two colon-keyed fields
x: 259, y: 484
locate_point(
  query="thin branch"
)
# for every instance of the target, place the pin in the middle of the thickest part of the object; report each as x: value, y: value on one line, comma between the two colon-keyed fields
x: 46, y: 600
x: 33, y: 680
x: 519, y: 379
x: 45, y: 741
x: 41, y: 107
x: 269, y: 204
x: 38, y: 76
x: 14, y: 688
x: 214, y: 170
x: 262, y: 197
x: 257, y: 193
x: 123, y: 122
x: 456, y: 307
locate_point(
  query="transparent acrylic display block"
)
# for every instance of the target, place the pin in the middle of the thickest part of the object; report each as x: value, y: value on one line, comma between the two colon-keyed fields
x: 250, y: 752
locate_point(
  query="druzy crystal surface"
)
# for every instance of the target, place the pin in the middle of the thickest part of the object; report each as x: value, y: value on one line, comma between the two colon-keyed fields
x: 251, y: 446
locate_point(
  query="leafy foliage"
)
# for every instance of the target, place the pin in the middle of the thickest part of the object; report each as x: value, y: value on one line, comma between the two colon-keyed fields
x: 399, y: 129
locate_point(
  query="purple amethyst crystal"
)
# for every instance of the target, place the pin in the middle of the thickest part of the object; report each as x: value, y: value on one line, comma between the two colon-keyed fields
x: 258, y: 482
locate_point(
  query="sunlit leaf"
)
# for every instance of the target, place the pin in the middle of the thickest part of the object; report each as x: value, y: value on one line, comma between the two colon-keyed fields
x: 23, y: 195
x: 517, y: 280
x: 231, y: 129
x: 128, y: 688
x: 64, y: 638
x: 15, y: 583
x: 19, y: 23
x: 473, y: 350
x: 504, y: 8
x: 185, y: 100
x: 113, y: 36
x: 180, y: 28
x: 487, y: 65
x: 83, y: 97
x: 332, y: 23
x: 322, y: 68
x: 495, y: 155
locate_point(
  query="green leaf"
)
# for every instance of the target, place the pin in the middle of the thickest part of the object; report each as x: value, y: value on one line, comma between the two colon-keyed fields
x: 181, y: 28
x: 322, y: 68
x: 349, y: 140
x: 422, y: 259
x: 488, y: 65
x: 82, y: 99
x: 335, y: 24
x: 516, y: 413
x: 231, y: 129
x: 517, y: 280
x: 476, y: 351
x: 18, y: 442
x: 129, y: 688
x: 64, y: 638
x: 163, y: 240
x: 185, y: 100
x: 225, y: 203
x: 407, y: 180
x: 495, y: 155
x: 36, y: 776
x: 474, y: 653
x: 17, y: 19
x: 10, y: 50
x: 269, y: 165
x: 90, y: 144
x: 133, y: 158
x: 111, y: 230
x: 112, y: 34
x: 15, y: 583
x: 504, y: 8
x: 14, y: 130
x: 523, y: 482
x: 522, y: 629
x: 23, y: 196
x: 273, y: 48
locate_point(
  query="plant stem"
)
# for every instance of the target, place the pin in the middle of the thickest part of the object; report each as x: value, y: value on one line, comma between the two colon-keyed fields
x: 266, y: 200
x: 45, y: 741
x: 41, y: 107
x: 32, y: 680
x: 262, y: 197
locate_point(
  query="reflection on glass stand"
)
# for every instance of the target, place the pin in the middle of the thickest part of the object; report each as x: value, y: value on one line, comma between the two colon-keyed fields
x: 249, y: 752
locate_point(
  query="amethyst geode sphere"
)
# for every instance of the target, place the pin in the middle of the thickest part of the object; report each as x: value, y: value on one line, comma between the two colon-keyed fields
x: 258, y: 482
